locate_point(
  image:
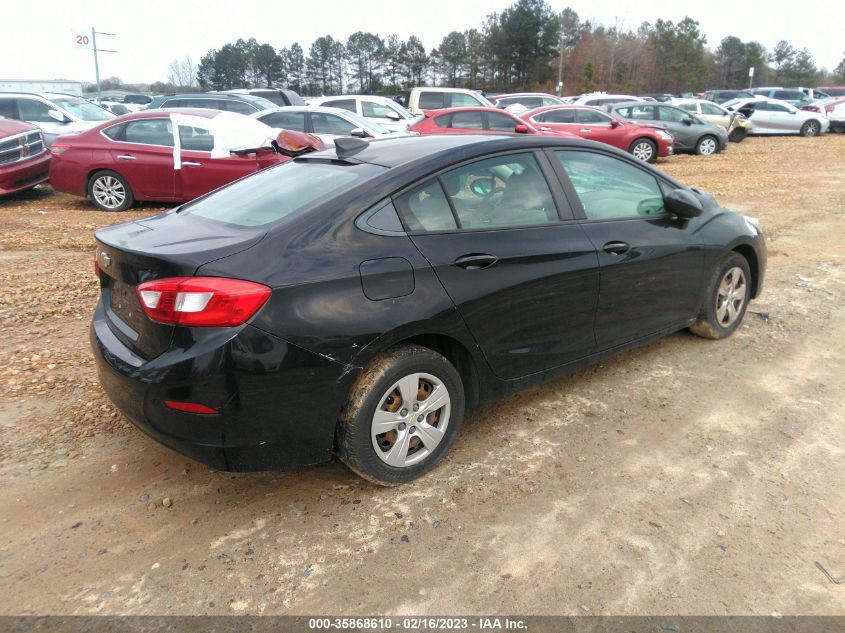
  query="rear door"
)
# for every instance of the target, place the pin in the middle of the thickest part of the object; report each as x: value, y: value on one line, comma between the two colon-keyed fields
x: 522, y: 273
x: 200, y: 173
x: 142, y: 152
x: 595, y: 126
x: 651, y: 266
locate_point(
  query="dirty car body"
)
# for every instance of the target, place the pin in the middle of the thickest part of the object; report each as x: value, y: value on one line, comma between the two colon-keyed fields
x: 354, y: 261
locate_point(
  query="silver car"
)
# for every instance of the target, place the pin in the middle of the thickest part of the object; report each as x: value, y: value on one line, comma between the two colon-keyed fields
x: 769, y: 116
x: 734, y: 123
x: 53, y: 112
x: 691, y: 133
x: 326, y: 123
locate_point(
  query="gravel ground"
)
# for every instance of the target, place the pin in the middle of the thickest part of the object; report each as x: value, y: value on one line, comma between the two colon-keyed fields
x: 684, y: 477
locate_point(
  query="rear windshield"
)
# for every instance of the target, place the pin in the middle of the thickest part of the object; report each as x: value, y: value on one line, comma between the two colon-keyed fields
x: 279, y: 192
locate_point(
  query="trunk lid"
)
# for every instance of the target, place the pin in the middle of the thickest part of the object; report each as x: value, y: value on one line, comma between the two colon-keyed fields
x: 168, y: 245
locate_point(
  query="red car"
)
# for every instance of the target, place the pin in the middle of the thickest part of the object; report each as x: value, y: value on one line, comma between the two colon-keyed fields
x: 140, y: 157
x: 645, y: 142
x: 24, y: 159
x: 477, y: 121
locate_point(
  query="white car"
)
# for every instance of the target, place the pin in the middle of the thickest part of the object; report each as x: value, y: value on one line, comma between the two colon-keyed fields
x: 600, y: 99
x: 519, y: 102
x: 55, y: 113
x: 383, y: 111
x: 770, y: 116
x: 734, y: 123
x: 326, y: 123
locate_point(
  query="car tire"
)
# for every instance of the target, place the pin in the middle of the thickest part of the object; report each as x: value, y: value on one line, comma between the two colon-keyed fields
x: 707, y: 146
x: 728, y: 293
x: 811, y: 128
x: 414, y: 437
x: 737, y: 135
x: 109, y: 191
x: 644, y: 149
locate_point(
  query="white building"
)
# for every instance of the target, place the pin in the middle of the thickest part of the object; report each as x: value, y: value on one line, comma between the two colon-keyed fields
x: 33, y: 85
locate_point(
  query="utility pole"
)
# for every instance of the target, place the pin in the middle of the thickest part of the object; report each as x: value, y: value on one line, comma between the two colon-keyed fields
x: 96, y: 50
x: 560, y: 67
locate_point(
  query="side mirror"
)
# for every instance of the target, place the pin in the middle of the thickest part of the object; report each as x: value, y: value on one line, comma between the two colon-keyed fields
x: 393, y: 116
x: 614, y: 124
x: 359, y: 132
x: 58, y: 116
x: 521, y: 128
x: 683, y: 203
x: 688, y: 120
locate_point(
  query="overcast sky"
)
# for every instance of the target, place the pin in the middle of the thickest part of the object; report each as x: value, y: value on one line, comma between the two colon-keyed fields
x: 38, y: 40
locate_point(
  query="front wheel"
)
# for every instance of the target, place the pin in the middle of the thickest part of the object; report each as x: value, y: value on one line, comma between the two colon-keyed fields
x: 706, y: 146
x: 644, y: 149
x: 811, y: 128
x: 402, y: 416
x: 109, y: 191
x: 727, y: 298
x: 737, y: 135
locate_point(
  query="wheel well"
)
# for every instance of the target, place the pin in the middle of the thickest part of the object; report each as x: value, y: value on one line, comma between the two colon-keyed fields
x: 456, y: 353
x: 96, y: 170
x: 751, y: 257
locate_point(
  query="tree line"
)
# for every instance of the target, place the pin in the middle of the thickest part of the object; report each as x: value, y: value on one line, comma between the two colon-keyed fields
x: 528, y: 46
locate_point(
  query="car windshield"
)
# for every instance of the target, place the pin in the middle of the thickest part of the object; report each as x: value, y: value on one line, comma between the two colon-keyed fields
x: 82, y: 109
x: 279, y: 192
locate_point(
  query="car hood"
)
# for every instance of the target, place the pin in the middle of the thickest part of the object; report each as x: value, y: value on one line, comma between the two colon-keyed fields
x: 12, y: 127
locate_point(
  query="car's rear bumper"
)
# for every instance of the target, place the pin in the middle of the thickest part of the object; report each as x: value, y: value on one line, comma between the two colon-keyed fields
x: 277, y: 403
x: 24, y: 175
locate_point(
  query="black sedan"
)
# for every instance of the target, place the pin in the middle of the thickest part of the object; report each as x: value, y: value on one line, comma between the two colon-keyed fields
x: 357, y: 303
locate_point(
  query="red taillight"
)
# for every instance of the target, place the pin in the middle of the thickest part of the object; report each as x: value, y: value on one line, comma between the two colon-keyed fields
x: 190, y: 407
x: 58, y: 148
x: 202, y: 301
x: 830, y: 108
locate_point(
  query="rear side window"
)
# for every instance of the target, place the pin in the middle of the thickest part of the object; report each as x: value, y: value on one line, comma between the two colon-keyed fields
x: 430, y: 100
x: 501, y: 122
x: 673, y: 115
x: 343, y: 104
x: 426, y: 209
x: 286, y: 120
x: 240, y: 107
x: 279, y: 192
x: 149, y: 132
x: 467, y: 121
x: 610, y: 188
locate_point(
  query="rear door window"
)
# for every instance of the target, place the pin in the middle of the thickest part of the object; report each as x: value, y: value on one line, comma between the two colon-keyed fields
x: 343, y: 104
x: 149, y: 132
x: 501, y: 122
x: 195, y: 138
x: 559, y: 116
x: 591, y: 117
x: 230, y: 105
x: 286, y: 120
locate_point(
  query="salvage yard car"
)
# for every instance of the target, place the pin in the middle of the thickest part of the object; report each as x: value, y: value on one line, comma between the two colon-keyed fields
x: 358, y: 302
x: 163, y: 155
x: 691, y: 134
x: 477, y: 121
x: 769, y: 116
x: 24, y: 160
x: 734, y: 123
x: 646, y: 142
x: 53, y: 112
x: 326, y: 123
x: 383, y: 111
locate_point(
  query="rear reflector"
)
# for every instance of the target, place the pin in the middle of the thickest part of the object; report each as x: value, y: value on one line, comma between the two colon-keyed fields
x: 190, y: 407
x: 202, y: 301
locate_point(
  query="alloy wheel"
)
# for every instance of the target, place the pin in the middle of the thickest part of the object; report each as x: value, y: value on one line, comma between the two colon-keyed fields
x: 730, y: 296
x: 644, y: 151
x: 109, y: 192
x: 707, y: 147
x: 410, y: 420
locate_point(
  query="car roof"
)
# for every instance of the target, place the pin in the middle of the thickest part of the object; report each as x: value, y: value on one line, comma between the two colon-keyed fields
x: 208, y: 113
x: 439, y: 111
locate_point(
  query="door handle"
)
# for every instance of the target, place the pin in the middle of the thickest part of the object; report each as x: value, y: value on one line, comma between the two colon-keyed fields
x: 189, y: 163
x: 587, y: 131
x: 617, y: 248
x: 476, y: 262
x: 125, y: 157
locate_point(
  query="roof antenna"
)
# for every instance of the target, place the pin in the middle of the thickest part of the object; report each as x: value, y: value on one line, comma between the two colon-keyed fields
x: 349, y: 146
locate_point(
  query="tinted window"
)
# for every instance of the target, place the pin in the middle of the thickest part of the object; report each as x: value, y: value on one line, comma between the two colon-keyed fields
x: 9, y: 108
x: 287, y: 120
x: 426, y: 209
x: 149, y: 132
x: 279, y: 192
x: 505, y: 191
x: 501, y: 122
x: 792, y: 95
x: 116, y: 132
x: 461, y: 100
x: 32, y: 110
x: 431, y: 100
x: 559, y: 116
x: 330, y: 124
x: 467, y: 121
x: 195, y: 138
x: 240, y: 107
x: 592, y: 117
x: 673, y: 115
x: 610, y: 188
x: 344, y: 104
x: 528, y: 102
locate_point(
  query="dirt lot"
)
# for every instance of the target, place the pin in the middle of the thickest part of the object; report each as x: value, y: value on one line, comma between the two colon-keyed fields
x: 685, y: 477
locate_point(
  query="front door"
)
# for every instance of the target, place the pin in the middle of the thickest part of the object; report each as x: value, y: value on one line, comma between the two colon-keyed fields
x: 199, y: 172
x: 651, y: 266
x: 523, y: 276
x: 142, y: 153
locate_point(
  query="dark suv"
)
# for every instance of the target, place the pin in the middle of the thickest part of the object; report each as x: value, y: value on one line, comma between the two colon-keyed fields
x: 279, y: 96
x: 242, y: 104
x: 720, y: 96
